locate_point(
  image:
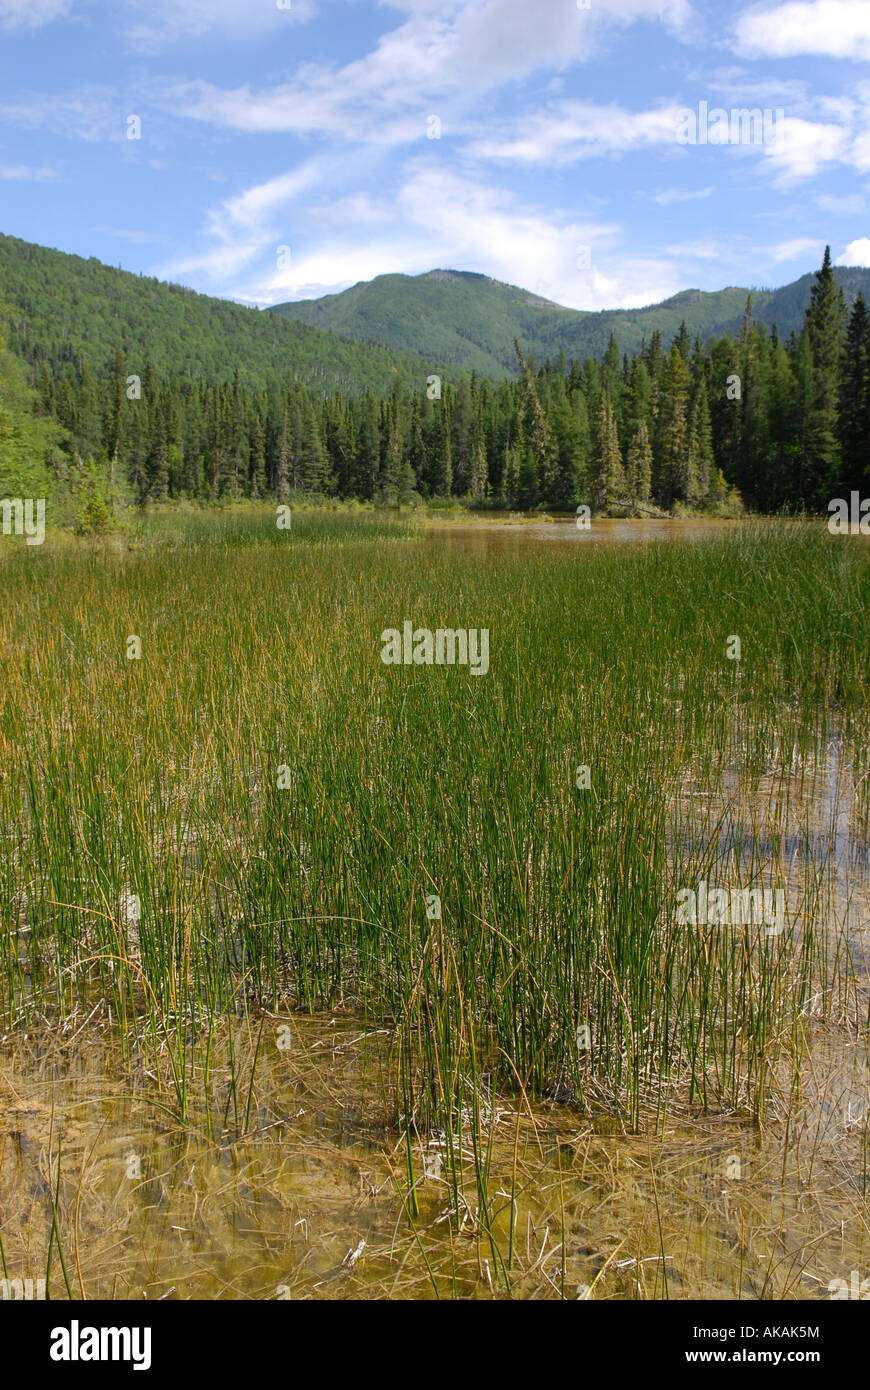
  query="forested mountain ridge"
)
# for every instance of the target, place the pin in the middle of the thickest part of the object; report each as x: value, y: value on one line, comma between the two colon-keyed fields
x: 469, y: 321
x: 60, y: 308
x: 686, y: 425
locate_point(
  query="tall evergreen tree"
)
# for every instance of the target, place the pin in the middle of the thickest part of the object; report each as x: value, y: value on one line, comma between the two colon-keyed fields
x: 825, y: 319
x: 640, y: 457
x: 608, y: 477
x: 282, y: 466
x: 674, y: 477
x: 854, y: 400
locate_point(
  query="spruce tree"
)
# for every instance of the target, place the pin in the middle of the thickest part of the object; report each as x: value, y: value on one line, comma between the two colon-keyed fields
x: 282, y: 467
x: 416, y: 449
x: 157, y: 463
x: 673, y: 476
x: 388, y: 486
x: 854, y: 400
x: 639, y: 470
x: 825, y: 319
x: 537, y: 429
x: 702, y: 468
x: 258, y: 457
x: 442, y: 452
x: 608, y: 478
x: 778, y: 483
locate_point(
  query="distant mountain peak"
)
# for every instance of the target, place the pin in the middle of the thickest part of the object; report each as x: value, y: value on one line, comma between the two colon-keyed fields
x: 467, y: 320
x: 457, y: 275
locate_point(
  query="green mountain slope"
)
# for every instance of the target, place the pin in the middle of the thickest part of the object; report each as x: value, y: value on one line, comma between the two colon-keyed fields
x: 60, y: 307
x: 469, y: 321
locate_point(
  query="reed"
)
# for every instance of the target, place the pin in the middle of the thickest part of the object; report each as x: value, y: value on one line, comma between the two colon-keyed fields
x: 283, y: 806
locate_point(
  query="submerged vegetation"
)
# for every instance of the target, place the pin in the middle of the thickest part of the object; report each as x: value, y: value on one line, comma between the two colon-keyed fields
x: 244, y: 820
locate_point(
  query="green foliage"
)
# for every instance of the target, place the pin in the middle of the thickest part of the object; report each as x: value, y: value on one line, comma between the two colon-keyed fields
x: 469, y: 321
x: 678, y: 425
x: 94, y: 515
x: 27, y: 442
x: 64, y: 308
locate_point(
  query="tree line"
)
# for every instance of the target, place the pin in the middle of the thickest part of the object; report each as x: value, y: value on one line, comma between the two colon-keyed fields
x: 680, y: 426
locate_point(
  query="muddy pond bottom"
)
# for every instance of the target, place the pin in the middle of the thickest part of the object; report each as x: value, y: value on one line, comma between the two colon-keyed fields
x: 290, y: 1184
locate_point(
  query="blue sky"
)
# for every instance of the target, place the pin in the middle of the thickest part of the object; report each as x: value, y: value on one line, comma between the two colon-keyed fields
x: 288, y: 147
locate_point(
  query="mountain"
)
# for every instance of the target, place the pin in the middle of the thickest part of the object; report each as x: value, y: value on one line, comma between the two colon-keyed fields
x: 59, y: 308
x: 469, y: 321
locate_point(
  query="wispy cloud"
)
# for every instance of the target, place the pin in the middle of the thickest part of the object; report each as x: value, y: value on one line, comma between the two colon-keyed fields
x: 803, y: 148
x: 569, y: 131
x: 31, y: 14
x: 332, y: 120
x: 438, y: 61
x: 87, y: 114
x: 848, y: 203
x: 797, y: 248
x: 836, y: 28
x: 152, y: 25
x: 127, y: 234
x: 26, y: 173
x: 681, y: 195
x: 436, y: 216
x: 242, y: 228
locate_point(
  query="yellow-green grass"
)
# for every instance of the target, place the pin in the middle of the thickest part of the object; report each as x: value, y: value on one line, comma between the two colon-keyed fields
x: 556, y: 966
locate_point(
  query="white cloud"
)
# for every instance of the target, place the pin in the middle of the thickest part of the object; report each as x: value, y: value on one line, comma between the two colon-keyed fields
x: 26, y: 173
x: 482, y: 227
x: 353, y: 210
x: 738, y: 85
x: 704, y: 249
x: 861, y: 151
x: 245, y: 226
x: 856, y: 253
x: 574, y: 130
x: 849, y: 203
x: 439, y: 216
x: 214, y: 267
x: 253, y: 211
x: 435, y: 217
x: 681, y: 195
x: 150, y: 25
x: 795, y: 148
x: 834, y: 28
x: 803, y: 148
x: 792, y: 250
x: 436, y: 62
x: 87, y: 114
x: 127, y: 234
x: 31, y: 14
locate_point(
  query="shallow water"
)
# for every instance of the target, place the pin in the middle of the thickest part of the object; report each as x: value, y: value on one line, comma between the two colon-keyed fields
x: 283, y: 1177
x: 604, y: 529
x: 293, y: 1185
x: 307, y: 1199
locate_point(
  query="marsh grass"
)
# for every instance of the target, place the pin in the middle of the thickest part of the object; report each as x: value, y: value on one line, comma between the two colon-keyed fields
x: 159, y: 778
